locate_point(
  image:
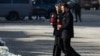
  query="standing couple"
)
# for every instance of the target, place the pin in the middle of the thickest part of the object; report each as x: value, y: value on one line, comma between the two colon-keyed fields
x: 63, y: 30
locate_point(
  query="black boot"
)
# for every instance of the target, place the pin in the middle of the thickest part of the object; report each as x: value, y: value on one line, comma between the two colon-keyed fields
x: 76, y: 54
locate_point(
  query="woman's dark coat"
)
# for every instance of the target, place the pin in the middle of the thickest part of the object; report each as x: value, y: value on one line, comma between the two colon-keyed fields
x: 56, y: 32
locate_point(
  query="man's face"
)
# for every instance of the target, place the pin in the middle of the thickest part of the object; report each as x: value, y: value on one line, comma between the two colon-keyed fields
x: 63, y: 9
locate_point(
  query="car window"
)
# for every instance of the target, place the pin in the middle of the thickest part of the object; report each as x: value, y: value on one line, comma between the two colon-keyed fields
x: 5, y: 1
x: 36, y: 2
x: 21, y: 1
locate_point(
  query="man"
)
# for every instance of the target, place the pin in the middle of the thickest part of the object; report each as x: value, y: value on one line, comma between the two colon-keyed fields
x: 67, y: 31
x: 77, y: 11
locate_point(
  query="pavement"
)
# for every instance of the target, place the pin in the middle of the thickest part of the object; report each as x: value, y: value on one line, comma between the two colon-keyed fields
x: 34, y: 38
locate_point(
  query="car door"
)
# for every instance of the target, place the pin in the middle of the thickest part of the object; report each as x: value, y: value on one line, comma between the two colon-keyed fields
x: 37, y: 7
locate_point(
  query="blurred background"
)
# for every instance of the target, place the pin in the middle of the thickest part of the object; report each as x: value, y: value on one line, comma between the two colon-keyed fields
x: 25, y: 26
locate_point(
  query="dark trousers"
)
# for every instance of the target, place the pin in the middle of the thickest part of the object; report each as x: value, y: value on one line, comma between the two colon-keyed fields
x: 57, y: 49
x: 68, y: 50
x: 78, y: 16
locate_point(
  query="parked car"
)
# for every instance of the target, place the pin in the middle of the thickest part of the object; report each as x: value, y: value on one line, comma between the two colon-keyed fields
x: 87, y: 4
x: 13, y: 9
x: 44, y: 7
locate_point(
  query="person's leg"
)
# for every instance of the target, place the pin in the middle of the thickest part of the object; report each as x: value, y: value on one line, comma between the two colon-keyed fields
x: 30, y: 17
x: 36, y: 17
x: 76, y: 17
x: 80, y: 16
x: 69, y: 51
x: 66, y: 46
x: 39, y: 17
x: 56, y: 49
x: 61, y: 44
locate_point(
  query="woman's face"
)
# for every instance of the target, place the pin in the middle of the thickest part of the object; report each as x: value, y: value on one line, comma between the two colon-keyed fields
x: 57, y: 9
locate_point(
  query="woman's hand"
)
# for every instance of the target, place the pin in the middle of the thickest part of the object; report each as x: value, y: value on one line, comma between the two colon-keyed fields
x: 58, y: 27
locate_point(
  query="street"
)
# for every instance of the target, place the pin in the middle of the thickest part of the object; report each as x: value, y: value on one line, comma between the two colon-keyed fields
x: 34, y: 37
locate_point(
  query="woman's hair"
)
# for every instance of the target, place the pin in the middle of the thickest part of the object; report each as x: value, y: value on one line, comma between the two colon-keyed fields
x: 59, y: 7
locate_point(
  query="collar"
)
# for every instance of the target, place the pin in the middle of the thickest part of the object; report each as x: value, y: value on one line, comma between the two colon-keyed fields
x: 65, y: 14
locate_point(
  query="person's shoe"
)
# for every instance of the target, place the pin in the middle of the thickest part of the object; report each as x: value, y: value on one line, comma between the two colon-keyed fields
x: 76, y: 54
x: 69, y: 55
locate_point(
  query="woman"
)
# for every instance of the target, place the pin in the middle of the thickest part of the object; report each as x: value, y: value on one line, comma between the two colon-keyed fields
x: 57, y: 33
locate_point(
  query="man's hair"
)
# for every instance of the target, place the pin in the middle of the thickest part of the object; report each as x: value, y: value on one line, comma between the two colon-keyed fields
x: 65, y: 5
